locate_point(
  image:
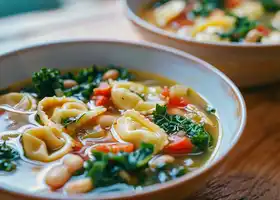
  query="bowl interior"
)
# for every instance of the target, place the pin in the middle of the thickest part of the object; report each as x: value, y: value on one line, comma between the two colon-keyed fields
x: 183, y: 68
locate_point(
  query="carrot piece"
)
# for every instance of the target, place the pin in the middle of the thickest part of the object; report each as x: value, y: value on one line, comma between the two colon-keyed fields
x: 104, y: 89
x: 178, y: 101
x: 232, y: 3
x: 165, y: 91
x: 264, y: 30
x: 101, y: 100
x: 114, y: 148
x: 179, y: 145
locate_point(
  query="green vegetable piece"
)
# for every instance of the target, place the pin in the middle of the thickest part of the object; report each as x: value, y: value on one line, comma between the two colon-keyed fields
x: 106, y: 168
x: 206, y: 7
x: 242, y: 26
x: 71, y: 120
x: 46, y: 81
x: 175, y: 123
x: 7, y: 156
x: 271, y: 5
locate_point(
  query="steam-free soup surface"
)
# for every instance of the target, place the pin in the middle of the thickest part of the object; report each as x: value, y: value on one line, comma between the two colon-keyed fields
x: 102, y: 129
x: 249, y: 21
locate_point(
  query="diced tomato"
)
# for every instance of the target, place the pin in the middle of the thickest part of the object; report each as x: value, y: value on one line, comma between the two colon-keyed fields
x: 104, y: 89
x: 178, y: 101
x: 232, y: 3
x: 165, y: 91
x: 182, y: 20
x: 101, y: 100
x: 114, y: 148
x: 179, y: 145
x: 77, y: 146
x: 264, y: 30
x: 2, y: 112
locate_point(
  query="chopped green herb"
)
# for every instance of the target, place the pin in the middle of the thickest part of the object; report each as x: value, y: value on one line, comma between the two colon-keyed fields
x: 175, y: 123
x: 7, y: 156
x: 46, y: 81
x: 67, y: 121
x: 38, y: 119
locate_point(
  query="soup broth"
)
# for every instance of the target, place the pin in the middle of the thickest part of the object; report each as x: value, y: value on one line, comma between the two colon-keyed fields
x: 218, y: 21
x: 102, y: 129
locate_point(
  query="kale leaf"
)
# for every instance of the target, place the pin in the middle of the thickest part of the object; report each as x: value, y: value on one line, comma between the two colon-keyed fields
x: 271, y: 5
x: 242, y: 26
x: 175, y: 123
x: 106, y: 169
x: 7, y: 156
x: 46, y: 81
x: 205, y: 7
x: 49, y: 82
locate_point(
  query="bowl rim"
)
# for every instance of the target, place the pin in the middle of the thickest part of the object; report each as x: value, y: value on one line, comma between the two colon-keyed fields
x: 135, y: 19
x: 148, y: 189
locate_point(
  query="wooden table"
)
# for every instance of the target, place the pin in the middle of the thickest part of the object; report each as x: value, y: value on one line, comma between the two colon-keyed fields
x: 252, y: 172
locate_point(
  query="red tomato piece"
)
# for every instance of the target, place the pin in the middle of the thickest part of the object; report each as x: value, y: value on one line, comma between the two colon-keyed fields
x: 101, y: 100
x: 232, y: 3
x: 104, y: 89
x: 165, y: 91
x: 264, y: 30
x: 179, y: 145
x: 178, y: 101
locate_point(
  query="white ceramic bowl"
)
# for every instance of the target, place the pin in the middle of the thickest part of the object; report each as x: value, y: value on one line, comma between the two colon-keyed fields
x: 246, y: 64
x: 184, y: 68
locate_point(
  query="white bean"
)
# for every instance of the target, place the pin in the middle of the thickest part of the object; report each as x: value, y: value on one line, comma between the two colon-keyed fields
x: 79, y: 186
x: 253, y: 36
x: 69, y: 83
x: 105, y: 120
x: 111, y: 74
x: 57, y: 176
x: 73, y: 162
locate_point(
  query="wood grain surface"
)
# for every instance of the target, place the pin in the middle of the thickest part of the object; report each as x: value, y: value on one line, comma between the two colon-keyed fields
x: 252, y: 171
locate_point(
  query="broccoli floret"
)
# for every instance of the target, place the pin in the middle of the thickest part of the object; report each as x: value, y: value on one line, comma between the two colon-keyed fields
x: 46, y: 81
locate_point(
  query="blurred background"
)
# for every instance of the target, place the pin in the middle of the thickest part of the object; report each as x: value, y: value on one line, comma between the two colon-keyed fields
x: 26, y: 22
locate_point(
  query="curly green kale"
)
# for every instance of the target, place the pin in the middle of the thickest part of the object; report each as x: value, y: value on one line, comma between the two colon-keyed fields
x: 46, y: 81
x: 106, y: 169
x: 49, y: 82
x: 175, y: 123
x: 242, y: 26
x: 7, y: 156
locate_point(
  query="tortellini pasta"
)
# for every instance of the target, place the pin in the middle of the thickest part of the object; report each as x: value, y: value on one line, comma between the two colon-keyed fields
x: 67, y: 114
x: 135, y: 128
x: 129, y: 95
x: 19, y: 101
x: 46, y: 144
